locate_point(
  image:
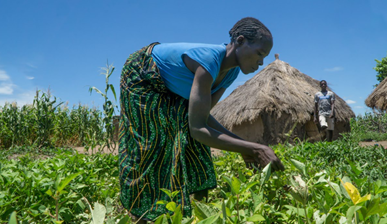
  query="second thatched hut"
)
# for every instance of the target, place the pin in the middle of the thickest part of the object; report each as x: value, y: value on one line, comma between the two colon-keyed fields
x: 378, y: 98
x: 276, y: 105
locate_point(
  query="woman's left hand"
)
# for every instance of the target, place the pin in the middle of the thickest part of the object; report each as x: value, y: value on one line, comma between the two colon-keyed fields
x: 262, y: 156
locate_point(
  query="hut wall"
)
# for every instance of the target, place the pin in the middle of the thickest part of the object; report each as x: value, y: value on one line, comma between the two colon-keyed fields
x: 268, y: 129
x: 341, y: 127
x: 277, y: 129
x: 314, y: 135
x: 250, y: 131
x: 312, y: 132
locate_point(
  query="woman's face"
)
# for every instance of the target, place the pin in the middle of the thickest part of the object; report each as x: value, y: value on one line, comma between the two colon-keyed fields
x: 250, y: 54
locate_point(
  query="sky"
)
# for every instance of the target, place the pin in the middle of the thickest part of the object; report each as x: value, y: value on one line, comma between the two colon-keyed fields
x: 62, y: 45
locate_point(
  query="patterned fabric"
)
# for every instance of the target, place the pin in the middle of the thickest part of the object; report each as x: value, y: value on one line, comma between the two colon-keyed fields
x: 324, y: 101
x: 156, y: 150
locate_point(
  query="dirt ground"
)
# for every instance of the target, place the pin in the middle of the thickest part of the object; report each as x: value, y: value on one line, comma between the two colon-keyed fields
x: 381, y: 143
x: 214, y: 152
x: 104, y: 150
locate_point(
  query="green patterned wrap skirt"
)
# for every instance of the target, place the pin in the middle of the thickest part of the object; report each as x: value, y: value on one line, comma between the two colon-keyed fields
x: 156, y: 150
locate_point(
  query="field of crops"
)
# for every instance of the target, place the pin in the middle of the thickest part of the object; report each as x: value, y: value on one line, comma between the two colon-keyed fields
x: 43, y: 180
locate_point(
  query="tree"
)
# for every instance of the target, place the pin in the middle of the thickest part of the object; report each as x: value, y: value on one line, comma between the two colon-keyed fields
x: 381, y: 69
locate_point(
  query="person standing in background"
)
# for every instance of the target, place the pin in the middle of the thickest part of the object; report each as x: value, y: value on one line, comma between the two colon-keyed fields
x: 324, y: 109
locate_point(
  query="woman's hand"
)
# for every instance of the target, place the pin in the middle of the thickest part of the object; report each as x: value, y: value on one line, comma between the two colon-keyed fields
x: 261, y: 156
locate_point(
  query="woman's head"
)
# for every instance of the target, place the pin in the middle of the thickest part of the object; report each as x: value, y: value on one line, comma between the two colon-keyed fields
x: 251, y: 28
x: 253, y: 42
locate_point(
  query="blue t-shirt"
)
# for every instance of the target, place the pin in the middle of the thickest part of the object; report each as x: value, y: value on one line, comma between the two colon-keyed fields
x: 178, y: 78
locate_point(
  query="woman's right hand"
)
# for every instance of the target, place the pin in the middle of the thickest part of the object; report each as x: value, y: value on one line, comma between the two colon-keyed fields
x: 262, y: 155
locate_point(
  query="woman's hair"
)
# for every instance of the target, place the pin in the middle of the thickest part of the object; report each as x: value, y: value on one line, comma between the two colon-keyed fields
x: 251, y: 28
x: 323, y: 81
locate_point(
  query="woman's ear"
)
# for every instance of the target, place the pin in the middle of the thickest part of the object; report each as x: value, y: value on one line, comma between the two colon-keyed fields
x: 240, y: 39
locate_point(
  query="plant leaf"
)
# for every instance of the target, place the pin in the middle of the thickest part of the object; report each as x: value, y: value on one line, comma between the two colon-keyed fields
x: 177, y: 216
x: 235, y: 185
x: 355, y: 169
x: 168, y: 192
x: 12, y: 218
x: 373, y: 207
x: 351, y: 211
x: 248, y: 186
x: 98, y: 214
x: 299, y: 165
x: 215, y: 219
x: 256, y: 218
x: 171, y: 206
x: 175, y: 193
x: 265, y: 175
x: 202, y: 211
x: 162, y: 219
x: 66, y: 181
x: 113, y: 91
x: 318, y: 219
x: 224, y: 213
x: 97, y: 90
x: 188, y: 220
x: 161, y: 202
x: 49, y: 192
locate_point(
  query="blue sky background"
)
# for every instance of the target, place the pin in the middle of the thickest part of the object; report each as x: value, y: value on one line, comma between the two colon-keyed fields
x: 63, y: 44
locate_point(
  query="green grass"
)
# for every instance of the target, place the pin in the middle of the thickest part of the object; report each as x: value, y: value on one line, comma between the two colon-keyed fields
x: 370, y: 126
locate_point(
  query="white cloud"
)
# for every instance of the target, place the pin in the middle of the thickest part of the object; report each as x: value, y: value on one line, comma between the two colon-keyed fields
x: 359, y: 107
x: 31, y: 65
x: 3, y: 75
x: 6, y: 88
x: 9, y: 92
x: 21, y: 99
x: 334, y: 69
x: 350, y: 101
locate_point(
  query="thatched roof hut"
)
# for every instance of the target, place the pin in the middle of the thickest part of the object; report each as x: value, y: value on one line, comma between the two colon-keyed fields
x: 276, y: 101
x: 378, y: 98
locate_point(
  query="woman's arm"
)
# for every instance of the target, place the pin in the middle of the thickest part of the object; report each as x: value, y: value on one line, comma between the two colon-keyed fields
x: 212, y: 122
x: 198, y: 115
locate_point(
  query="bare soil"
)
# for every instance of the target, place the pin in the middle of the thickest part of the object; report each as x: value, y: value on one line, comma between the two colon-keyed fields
x: 214, y: 152
x: 113, y: 151
x: 33, y: 156
x: 372, y: 143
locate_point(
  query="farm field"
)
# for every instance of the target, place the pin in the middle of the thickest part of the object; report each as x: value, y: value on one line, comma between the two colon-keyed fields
x: 218, y: 152
x: 71, y: 71
x: 49, y: 173
x: 323, y: 181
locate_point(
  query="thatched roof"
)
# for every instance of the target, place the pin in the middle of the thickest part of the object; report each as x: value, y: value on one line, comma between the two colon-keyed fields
x: 378, y: 98
x: 279, y: 89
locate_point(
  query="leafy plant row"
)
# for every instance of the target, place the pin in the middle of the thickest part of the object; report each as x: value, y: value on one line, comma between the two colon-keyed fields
x: 61, y: 188
x: 370, y: 126
x: 336, y: 182
x: 50, y: 123
x: 47, y: 123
